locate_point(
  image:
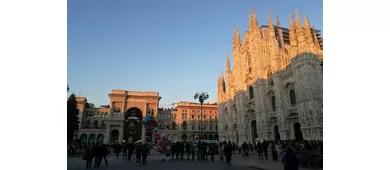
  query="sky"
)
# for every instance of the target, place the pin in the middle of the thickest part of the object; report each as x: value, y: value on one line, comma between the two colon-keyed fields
x: 173, y: 47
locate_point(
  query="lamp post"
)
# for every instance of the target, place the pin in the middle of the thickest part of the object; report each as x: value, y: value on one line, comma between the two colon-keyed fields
x: 201, y: 97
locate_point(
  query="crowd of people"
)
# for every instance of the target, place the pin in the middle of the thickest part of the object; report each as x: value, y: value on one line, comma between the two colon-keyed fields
x: 284, y: 150
x: 95, y: 153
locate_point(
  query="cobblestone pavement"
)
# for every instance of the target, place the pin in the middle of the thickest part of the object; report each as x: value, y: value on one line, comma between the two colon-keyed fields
x: 154, y: 163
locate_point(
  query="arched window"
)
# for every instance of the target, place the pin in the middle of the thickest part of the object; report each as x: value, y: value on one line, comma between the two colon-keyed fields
x: 251, y: 95
x: 185, y: 115
x: 273, y: 102
x: 184, y: 125
x: 182, y: 115
x: 292, y: 98
x: 211, y: 128
x: 270, y: 78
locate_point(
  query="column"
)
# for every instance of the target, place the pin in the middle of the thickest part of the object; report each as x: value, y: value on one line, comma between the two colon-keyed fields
x: 107, y: 135
x: 143, y: 134
x: 120, y: 138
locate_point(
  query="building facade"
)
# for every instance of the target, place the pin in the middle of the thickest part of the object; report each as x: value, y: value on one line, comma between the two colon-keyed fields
x: 274, y: 89
x: 121, y: 120
x: 185, y: 121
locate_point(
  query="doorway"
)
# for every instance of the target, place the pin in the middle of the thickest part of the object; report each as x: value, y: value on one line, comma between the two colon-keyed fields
x: 276, y: 133
x: 297, y: 132
x: 254, y: 131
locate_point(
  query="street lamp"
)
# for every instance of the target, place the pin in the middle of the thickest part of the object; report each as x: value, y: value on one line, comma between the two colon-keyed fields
x: 201, y: 97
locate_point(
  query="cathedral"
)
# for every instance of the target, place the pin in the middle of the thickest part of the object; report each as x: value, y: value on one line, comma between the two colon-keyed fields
x: 273, y: 91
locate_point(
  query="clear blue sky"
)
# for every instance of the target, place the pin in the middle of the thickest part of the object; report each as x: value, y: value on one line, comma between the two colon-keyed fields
x: 174, y: 47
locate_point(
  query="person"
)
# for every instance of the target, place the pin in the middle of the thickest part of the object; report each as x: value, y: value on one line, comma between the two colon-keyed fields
x: 265, y: 149
x: 138, y: 151
x: 130, y: 150
x: 188, y: 150
x: 105, y: 153
x: 259, y: 149
x: 220, y: 151
x: 228, y: 152
x: 145, y: 151
x: 173, y: 150
x: 124, y: 150
x: 290, y: 160
x: 193, y: 150
x: 213, y: 149
x: 168, y: 152
x: 88, y: 156
x: 117, y: 149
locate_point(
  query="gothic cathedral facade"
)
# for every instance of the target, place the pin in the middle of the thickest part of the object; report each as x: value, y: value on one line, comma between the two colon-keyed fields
x: 274, y: 89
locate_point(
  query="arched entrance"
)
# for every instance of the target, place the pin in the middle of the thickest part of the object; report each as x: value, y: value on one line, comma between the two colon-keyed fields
x: 92, y: 138
x: 276, y: 133
x: 83, y: 139
x: 184, y: 137
x: 298, y: 132
x: 114, y: 136
x: 133, y: 124
x: 100, y: 138
x: 210, y: 137
x: 254, y: 131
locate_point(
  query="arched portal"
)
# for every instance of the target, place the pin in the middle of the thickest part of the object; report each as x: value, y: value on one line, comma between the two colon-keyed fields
x: 114, y: 136
x: 210, y: 137
x: 298, y: 132
x: 184, y: 137
x: 276, y: 133
x: 133, y: 124
x: 83, y: 138
x: 253, y: 131
x: 100, y: 138
x: 184, y: 125
x: 92, y: 138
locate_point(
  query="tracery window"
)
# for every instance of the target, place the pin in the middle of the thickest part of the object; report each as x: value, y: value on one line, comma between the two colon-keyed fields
x: 292, y: 98
x: 273, y: 103
x: 251, y: 94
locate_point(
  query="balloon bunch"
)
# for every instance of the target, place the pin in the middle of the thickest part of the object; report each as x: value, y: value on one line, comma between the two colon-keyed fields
x: 150, y: 122
x: 160, y: 141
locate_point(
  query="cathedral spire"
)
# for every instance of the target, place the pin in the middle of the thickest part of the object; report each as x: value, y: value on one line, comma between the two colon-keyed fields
x: 277, y: 20
x: 236, y: 39
x: 227, y: 62
x: 270, y: 25
x: 291, y: 21
x: 316, y: 42
x: 298, y: 21
x: 308, y: 32
x: 255, y: 23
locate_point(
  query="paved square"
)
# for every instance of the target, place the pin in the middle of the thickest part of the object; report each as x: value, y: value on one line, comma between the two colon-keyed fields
x: 154, y: 163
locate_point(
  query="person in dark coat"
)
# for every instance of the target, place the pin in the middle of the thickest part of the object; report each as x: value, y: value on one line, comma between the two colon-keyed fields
x: 188, y: 150
x: 173, y: 150
x: 290, y: 160
x: 88, y: 156
x: 204, y: 151
x: 138, y: 152
x: 265, y: 149
x: 117, y: 150
x: 104, y: 153
x: 228, y: 150
x: 259, y: 149
x: 130, y: 150
x: 182, y: 147
x: 145, y: 151
x: 213, y: 150
x: 97, y: 151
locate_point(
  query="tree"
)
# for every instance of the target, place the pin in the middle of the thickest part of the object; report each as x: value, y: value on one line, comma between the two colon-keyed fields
x: 72, y: 119
x: 67, y: 88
